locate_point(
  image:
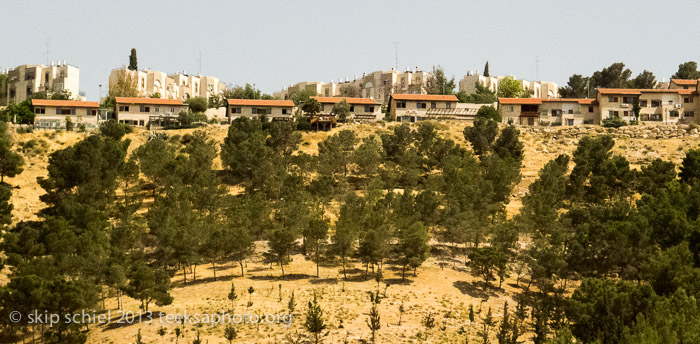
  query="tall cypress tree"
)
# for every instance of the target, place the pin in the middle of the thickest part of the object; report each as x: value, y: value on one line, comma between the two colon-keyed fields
x: 133, y: 62
x: 486, y: 69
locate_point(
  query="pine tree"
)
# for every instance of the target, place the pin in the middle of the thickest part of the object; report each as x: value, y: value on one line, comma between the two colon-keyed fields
x: 504, y: 330
x: 314, y: 319
x: 486, y: 69
x: 232, y: 296
x: 230, y: 333
x: 374, y: 321
x: 487, y: 324
x: 133, y: 62
x: 292, y: 304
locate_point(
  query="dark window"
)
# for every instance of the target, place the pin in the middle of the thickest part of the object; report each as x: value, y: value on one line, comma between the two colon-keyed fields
x: 369, y: 108
x: 674, y: 113
x: 448, y: 106
x: 39, y: 111
x: 590, y: 109
x: 145, y: 108
x: 571, y: 111
x: 94, y: 112
x: 655, y: 103
x: 421, y: 105
x: 284, y: 111
x: 400, y: 105
x: 687, y: 100
x: 433, y: 105
x: 690, y: 114
x: 643, y: 103
x: 352, y: 108
x: 626, y: 113
x: 124, y: 108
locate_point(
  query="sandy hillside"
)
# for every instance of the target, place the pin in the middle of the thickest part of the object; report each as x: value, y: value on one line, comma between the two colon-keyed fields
x: 442, y: 288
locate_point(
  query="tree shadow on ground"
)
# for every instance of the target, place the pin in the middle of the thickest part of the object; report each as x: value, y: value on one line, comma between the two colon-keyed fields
x: 323, y: 280
x: 476, y: 289
x: 288, y: 277
x: 199, y: 281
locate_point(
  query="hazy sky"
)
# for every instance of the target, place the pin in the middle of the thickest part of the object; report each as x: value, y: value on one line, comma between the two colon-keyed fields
x: 275, y: 43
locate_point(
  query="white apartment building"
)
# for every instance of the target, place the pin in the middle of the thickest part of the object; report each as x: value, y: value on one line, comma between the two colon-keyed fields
x: 538, y: 89
x: 25, y: 80
x: 169, y: 86
x: 379, y: 85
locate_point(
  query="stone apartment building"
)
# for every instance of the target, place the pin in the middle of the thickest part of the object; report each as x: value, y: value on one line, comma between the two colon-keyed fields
x: 551, y: 111
x: 170, y: 86
x: 141, y: 111
x: 53, y: 114
x: 671, y: 105
x: 538, y: 89
x: 272, y: 109
x: 377, y: 85
x: 679, y: 103
x: 25, y: 80
x: 361, y: 109
x: 418, y: 107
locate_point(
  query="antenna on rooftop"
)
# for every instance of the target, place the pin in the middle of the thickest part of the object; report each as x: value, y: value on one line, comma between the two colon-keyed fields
x: 396, y: 56
x: 200, y: 62
x: 47, y: 51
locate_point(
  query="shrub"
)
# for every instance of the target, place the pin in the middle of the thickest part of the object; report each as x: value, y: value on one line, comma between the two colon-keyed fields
x: 303, y: 124
x: 613, y: 122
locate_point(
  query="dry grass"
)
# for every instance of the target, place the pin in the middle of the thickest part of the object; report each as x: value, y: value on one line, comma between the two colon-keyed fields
x: 442, y: 287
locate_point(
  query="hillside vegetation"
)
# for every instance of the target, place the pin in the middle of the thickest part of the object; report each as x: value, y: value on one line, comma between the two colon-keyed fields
x: 437, y: 232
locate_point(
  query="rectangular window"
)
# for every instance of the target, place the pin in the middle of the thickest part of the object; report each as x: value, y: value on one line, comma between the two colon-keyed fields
x: 421, y: 105
x: 284, y: 111
x: 590, y: 109
x: 58, y: 111
x: 571, y: 112
x: 39, y: 111
x: 448, y: 106
x: 124, y: 108
x: 145, y: 108
x: 611, y: 113
x: 615, y: 99
x: 172, y: 109
x: 254, y: 111
x: 369, y: 108
x: 690, y: 114
x: 628, y: 100
x: 67, y: 111
x: 400, y: 105
x: 617, y: 113
x: 643, y: 103
x: 626, y: 113
x: 433, y: 105
x: 157, y: 109
x: 352, y: 108
x: 687, y: 100
x: 610, y: 99
x: 674, y: 113
x: 93, y: 112
x: 655, y: 103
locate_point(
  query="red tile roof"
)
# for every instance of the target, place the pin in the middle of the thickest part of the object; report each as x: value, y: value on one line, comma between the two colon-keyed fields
x: 626, y: 91
x: 537, y: 101
x: 147, y: 101
x: 335, y: 100
x: 64, y: 103
x: 426, y: 97
x: 261, y: 102
x: 639, y: 91
x: 528, y: 101
x: 686, y: 82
